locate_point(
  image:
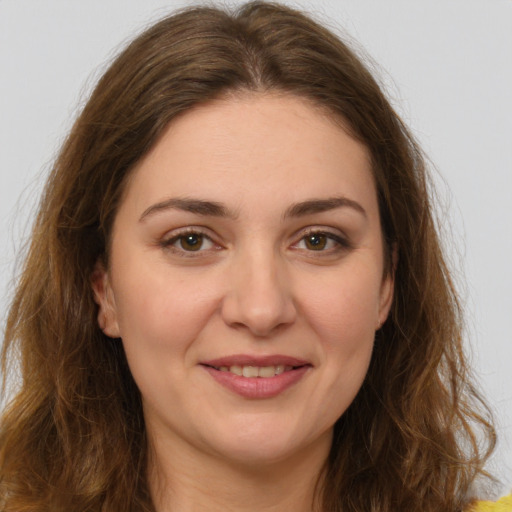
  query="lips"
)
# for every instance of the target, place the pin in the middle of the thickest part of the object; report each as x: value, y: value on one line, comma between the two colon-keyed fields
x: 257, y: 377
x: 251, y: 371
x: 246, y: 360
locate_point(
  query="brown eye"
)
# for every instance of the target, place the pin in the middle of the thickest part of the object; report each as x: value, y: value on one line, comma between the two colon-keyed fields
x: 322, y: 242
x: 316, y: 241
x: 188, y: 242
x: 191, y: 242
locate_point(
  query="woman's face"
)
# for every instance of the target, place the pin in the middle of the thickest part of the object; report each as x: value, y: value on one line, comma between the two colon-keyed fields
x: 246, y: 278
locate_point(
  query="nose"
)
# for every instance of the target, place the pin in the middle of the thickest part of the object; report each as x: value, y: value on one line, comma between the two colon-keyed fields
x: 259, y: 296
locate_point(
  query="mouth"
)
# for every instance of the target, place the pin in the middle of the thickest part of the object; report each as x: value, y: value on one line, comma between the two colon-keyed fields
x: 251, y: 371
x: 257, y: 366
x: 257, y: 377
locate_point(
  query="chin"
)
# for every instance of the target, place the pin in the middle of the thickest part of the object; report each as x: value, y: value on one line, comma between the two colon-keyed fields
x: 263, y: 444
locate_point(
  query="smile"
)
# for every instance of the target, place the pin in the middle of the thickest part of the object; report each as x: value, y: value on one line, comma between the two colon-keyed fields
x: 257, y: 377
x: 255, y: 371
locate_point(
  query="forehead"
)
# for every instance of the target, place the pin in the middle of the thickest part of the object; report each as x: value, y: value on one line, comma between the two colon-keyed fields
x: 274, y: 146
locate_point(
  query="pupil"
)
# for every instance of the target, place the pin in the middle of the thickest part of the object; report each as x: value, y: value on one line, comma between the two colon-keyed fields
x: 316, y: 242
x: 192, y: 242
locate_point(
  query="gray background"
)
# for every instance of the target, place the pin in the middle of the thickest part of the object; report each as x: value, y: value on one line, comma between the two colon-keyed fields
x: 447, y: 66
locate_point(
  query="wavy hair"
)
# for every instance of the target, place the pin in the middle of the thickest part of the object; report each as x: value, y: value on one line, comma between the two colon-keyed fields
x: 72, y: 438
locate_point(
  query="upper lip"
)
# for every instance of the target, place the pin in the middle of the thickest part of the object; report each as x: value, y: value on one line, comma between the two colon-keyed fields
x: 252, y: 360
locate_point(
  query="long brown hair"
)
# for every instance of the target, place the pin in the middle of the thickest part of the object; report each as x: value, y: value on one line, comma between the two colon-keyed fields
x: 73, y: 437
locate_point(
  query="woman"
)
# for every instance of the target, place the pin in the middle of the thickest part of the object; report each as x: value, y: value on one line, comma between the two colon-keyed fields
x: 235, y: 295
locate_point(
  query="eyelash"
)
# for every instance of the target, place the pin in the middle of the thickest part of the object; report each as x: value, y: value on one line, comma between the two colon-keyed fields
x: 341, y: 243
x: 168, y: 243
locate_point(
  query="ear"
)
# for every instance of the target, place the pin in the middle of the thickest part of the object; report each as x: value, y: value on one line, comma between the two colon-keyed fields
x: 104, y: 297
x: 387, y: 290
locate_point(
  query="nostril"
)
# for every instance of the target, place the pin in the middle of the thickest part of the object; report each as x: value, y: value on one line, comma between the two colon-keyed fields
x: 258, y: 300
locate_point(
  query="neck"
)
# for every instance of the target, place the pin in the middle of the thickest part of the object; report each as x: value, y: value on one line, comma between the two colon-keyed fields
x: 185, y: 481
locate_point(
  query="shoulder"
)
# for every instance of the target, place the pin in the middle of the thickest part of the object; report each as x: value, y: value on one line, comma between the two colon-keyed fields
x: 502, y: 505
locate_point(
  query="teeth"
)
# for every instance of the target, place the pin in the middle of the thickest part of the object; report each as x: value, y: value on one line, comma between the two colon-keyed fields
x: 256, y: 371
x: 237, y: 370
x: 267, y: 371
x: 250, y: 371
x: 280, y: 369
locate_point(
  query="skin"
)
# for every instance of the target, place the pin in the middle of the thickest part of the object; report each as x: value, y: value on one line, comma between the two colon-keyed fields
x: 257, y: 285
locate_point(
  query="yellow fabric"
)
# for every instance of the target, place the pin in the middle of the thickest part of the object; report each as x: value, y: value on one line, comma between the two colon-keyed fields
x: 502, y: 505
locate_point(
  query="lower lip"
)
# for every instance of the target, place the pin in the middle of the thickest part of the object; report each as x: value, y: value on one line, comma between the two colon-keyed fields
x: 258, y: 387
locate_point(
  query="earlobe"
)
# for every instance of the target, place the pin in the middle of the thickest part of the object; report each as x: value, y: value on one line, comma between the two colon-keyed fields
x: 386, y: 299
x: 387, y: 290
x: 104, y: 297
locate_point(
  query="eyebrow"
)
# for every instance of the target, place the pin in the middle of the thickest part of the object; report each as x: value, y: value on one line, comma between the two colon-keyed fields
x: 215, y: 209
x: 197, y: 206
x: 322, y: 205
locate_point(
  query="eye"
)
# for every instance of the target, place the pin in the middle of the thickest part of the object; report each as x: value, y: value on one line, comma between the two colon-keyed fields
x: 316, y: 241
x: 189, y: 241
x: 321, y: 241
x: 192, y: 242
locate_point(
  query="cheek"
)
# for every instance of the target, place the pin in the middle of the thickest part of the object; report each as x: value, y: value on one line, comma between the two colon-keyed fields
x: 159, y: 312
x: 160, y: 319
x: 344, y: 309
x: 343, y: 318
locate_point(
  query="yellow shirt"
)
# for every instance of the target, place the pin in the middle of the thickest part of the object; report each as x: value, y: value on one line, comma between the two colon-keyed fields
x: 502, y: 505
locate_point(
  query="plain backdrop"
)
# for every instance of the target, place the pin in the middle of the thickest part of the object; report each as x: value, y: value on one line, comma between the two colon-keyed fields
x: 447, y: 67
